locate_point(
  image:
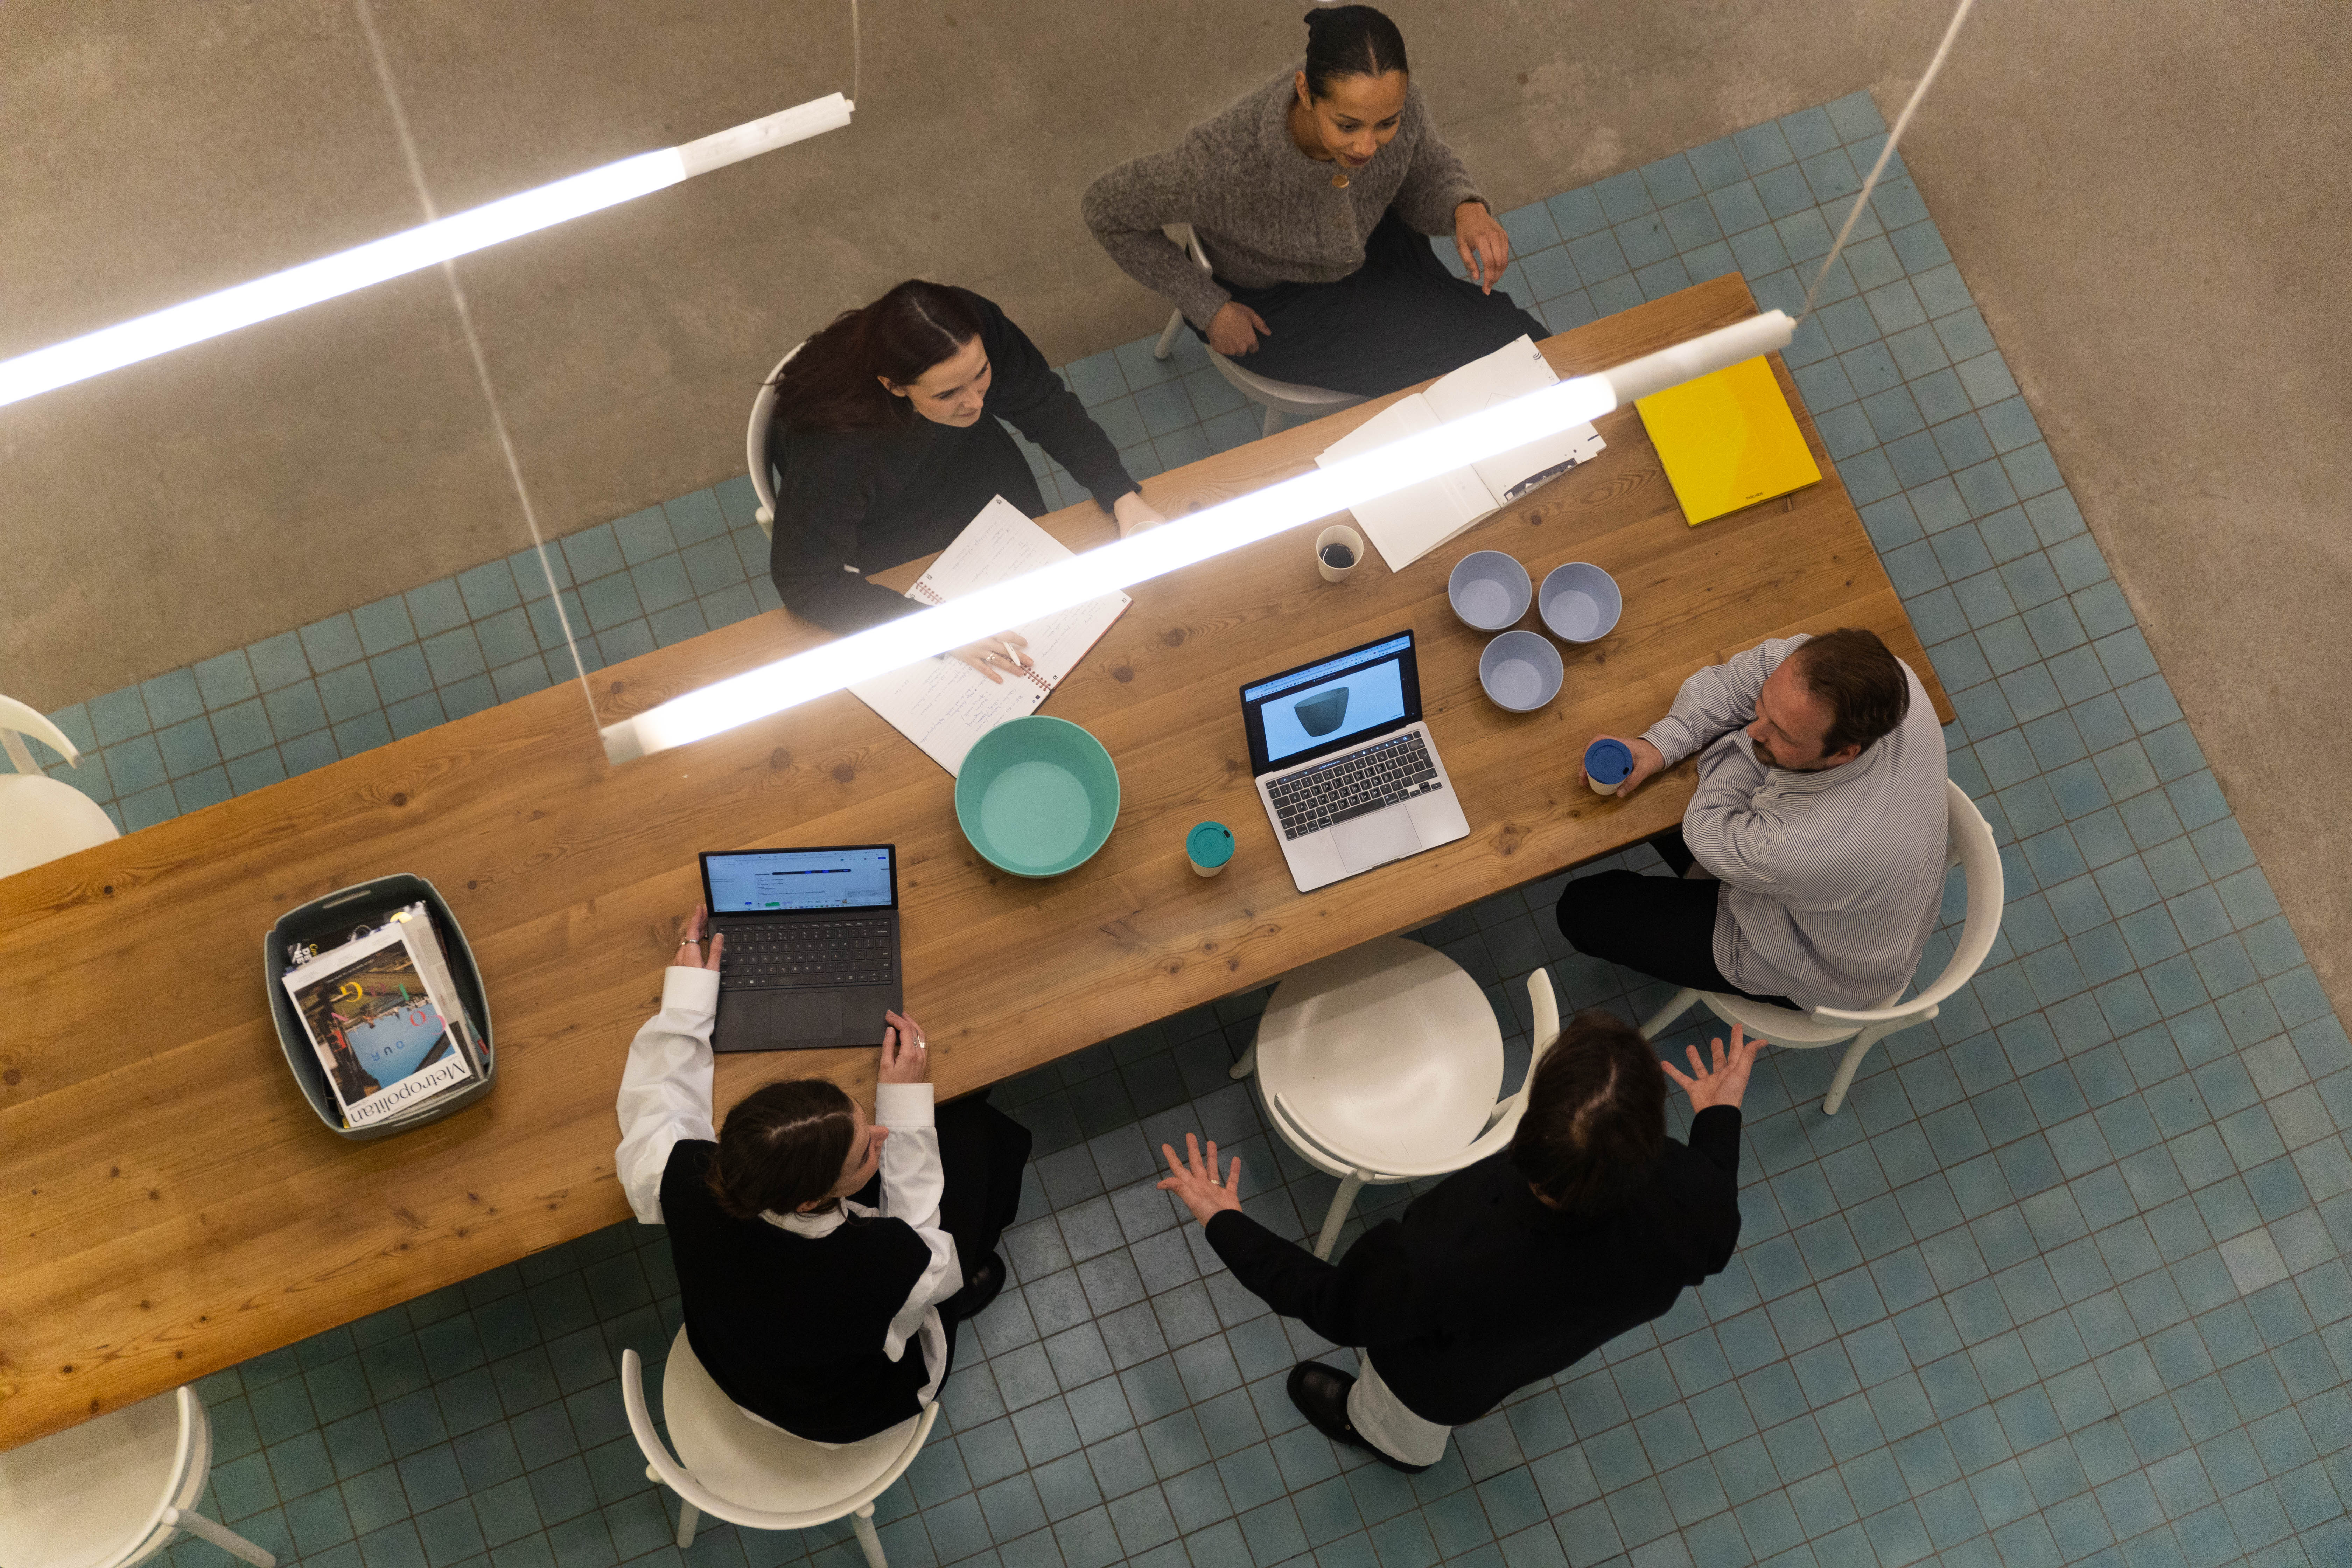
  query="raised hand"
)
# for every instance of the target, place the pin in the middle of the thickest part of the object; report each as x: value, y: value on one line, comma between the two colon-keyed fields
x: 1725, y: 1082
x: 1196, y: 1182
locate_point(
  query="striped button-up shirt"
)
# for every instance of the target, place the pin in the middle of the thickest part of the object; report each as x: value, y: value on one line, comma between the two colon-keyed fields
x: 1832, y: 880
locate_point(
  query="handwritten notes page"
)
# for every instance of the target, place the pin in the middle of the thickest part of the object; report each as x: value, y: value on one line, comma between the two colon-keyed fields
x: 1407, y: 525
x: 943, y: 705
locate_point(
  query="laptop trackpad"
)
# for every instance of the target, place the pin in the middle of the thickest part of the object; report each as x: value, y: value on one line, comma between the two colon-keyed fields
x: 814, y: 1018
x: 1376, y: 838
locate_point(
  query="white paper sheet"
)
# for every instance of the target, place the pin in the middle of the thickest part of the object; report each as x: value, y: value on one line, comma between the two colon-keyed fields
x: 1407, y: 525
x: 943, y: 705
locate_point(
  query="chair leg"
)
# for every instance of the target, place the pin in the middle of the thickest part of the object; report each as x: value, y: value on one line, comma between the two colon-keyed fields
x: 228, y: 1540
x: 689, y: 1518
x: 1679, y: 1003
x: 1341, y: 1202
x: 868, y: 1541
x: 1246, y: 1066
x: 1844, y: 1078
x: 1165, y: 347
x: 1272, y: 422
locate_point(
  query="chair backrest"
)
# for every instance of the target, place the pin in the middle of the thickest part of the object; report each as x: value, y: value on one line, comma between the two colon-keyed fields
x: 18, y: 719
x: 1973, y: 850
x: 93, y: 1495
x: 1188, y: 242
x: 1499, y: 1131
x: 755, y: 441
x: 683, y: 1481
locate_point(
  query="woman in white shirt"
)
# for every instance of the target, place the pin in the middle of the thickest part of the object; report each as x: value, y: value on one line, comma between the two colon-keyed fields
x: 813, y: 1243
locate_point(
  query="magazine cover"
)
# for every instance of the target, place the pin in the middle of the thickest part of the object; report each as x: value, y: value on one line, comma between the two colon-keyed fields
x: 384, y: 1044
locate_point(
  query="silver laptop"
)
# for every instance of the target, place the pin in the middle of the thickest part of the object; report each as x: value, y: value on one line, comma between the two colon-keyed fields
x: 1349, y: 773
x: 812, y: 951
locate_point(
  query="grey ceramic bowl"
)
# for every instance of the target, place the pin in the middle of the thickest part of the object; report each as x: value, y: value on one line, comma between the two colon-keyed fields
x: 1488, y: 590
x: 1520, y: 671
x: 1580, y: 602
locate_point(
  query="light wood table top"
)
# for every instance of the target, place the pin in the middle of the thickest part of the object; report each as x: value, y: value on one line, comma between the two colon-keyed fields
x: 170, y: 1204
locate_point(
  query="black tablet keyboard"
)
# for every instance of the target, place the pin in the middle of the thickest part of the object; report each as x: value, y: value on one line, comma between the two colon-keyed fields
x: 776, y: 954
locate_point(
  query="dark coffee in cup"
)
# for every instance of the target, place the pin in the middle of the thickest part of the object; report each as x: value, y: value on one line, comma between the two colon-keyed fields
x: 1338, y: 555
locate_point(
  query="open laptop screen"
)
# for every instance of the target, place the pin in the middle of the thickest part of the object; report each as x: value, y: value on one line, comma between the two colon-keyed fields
x: 766, y: 881
x: 1332, y: 703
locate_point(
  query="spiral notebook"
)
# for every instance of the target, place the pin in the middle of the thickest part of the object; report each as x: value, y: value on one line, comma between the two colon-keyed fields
x: 945, y: 706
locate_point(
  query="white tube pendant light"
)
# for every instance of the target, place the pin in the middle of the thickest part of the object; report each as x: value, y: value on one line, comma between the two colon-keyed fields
x: 460, y: 234
x: 1211, y: 532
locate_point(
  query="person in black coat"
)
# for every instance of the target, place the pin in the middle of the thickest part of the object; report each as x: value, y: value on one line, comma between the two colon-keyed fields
x: 823, y: 1257
x: 1592, y: 1223
x: 887, y: 441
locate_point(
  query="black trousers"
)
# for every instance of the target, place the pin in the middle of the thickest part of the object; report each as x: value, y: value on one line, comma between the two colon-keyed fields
x: 1662, y: 926
x: 1399, y: 319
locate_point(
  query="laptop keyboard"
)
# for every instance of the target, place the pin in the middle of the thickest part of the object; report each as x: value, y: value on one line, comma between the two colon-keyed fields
x: 1379, y: 775
x: 774, y: 955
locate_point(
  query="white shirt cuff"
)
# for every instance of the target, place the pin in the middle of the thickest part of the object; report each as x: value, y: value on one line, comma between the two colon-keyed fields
x: 903, y: 1106
x: 690, y: 990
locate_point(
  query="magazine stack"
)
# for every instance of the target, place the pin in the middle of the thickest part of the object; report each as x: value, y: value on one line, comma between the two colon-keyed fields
x: 384, y: 1017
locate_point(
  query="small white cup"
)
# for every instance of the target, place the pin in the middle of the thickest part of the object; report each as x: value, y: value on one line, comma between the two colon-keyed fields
x: 1346, y: 539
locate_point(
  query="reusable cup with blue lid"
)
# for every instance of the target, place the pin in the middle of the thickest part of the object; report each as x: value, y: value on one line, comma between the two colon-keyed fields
x: 1607, y: 764
x: 1209, y: 847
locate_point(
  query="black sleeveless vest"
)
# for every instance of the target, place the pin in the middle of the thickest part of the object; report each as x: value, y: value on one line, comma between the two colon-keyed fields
x: 792, y: 1326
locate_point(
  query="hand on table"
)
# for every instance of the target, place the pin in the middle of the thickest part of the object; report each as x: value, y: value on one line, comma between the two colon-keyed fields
x: 1196, y: 1183
x: 1485, y: 245
x: 996, y: 656
x: 906, y: 1056
x: 1236, y: 328
x: 1646, y: 760
x: 690, y: 948
x: 1722, y: 1084
x: 1135, y: 514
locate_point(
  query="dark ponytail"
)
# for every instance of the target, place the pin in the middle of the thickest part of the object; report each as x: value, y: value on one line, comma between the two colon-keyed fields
x: 783, y: 1145
x: 1349, y: 40
x: 830, y: 384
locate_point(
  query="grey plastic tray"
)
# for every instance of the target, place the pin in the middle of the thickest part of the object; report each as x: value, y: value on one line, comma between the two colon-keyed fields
x: 330, y: 920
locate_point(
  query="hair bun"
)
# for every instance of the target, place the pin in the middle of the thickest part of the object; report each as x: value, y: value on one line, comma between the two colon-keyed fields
x: 1316, y: 17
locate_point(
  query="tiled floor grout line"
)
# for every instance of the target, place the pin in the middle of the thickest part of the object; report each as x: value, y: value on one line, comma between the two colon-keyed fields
x: 2054, y: 1288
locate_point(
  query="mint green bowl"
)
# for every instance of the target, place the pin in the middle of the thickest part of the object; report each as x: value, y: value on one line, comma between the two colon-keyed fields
x: 1037, y: 797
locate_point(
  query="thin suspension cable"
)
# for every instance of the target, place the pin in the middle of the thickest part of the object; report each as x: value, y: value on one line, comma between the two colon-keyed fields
x: 474, y: 344
x: 1885, y: 154
x: 856, y: 54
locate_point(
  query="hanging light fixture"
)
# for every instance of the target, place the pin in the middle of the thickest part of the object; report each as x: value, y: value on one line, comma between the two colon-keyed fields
x: 1212, y: 532
x: 460, y: 234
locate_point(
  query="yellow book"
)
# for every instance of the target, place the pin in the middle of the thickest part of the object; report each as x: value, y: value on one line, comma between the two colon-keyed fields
x: 1728, y: 441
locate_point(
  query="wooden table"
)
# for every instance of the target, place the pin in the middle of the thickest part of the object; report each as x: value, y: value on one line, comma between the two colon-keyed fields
x: 172, y: 1204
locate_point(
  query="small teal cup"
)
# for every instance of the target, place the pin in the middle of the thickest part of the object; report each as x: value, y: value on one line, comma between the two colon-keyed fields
x: 1209, y: 847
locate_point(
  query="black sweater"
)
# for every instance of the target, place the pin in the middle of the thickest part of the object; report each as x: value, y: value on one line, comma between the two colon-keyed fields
x: 876, y: 498
x: 792, y: 1326
x: 1480, y: 1289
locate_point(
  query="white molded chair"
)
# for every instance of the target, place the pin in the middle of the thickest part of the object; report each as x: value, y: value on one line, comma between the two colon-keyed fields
x: 755, y: 443
x: 1382, y: 1064
x: 1973, y: 850
x: 749, y: 1473
x: 41, y: 817
x: 113, y: 1490
x: 1276, y: 397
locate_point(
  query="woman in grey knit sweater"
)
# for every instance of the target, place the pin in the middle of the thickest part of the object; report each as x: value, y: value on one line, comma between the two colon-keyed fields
x: 1312, y: 195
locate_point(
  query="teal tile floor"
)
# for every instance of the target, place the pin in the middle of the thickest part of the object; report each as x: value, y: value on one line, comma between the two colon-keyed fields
x: 2064, y: 1283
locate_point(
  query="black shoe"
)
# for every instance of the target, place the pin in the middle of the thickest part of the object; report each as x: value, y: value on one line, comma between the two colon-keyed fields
x: 980, y: 1287
x: 1321, y: 1394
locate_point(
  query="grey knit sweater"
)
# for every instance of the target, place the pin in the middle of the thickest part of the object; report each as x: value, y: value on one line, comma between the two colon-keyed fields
x: 1265, y: 212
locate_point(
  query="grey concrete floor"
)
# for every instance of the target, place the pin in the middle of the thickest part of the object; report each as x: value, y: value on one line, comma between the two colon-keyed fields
x: 2193, y: 381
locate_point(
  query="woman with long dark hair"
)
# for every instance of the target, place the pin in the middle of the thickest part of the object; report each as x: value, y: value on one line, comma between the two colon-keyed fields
x: 1314, y: 196
x: 823, y: 1257
x: 886, y: 442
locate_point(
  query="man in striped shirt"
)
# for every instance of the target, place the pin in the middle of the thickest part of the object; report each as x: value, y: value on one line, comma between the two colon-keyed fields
x: 1811, y: 858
